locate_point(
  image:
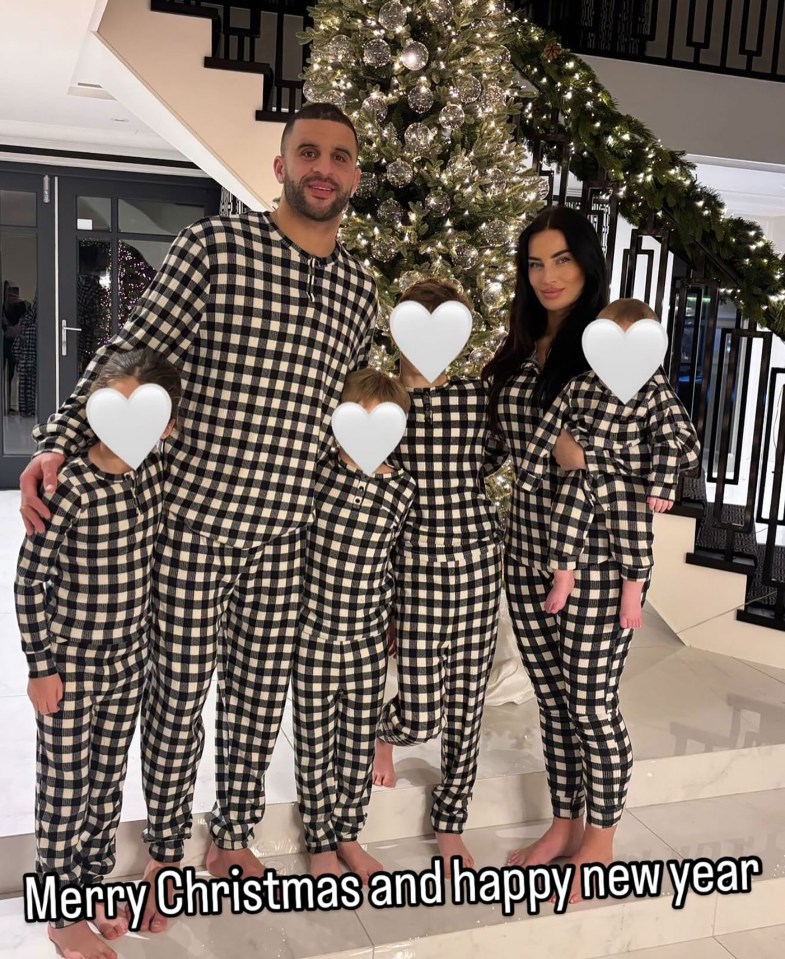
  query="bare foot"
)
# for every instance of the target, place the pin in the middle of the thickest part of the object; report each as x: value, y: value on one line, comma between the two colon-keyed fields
x: 152, y: 920
x: 78, y: 941
x: 630, y: 615
x: 219, y: 861
x: 452, y: 844
x: 110, y: 928
x: 596, y: 846
x: 563, y: 838
x: 324, y: 864
x: 383, y: 769
x: 563, y: 585
x: 358, y: 861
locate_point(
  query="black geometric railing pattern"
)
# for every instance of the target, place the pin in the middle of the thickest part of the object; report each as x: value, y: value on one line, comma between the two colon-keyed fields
x: 737, y: 37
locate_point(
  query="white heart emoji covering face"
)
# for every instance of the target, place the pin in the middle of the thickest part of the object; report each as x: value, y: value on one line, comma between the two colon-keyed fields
x: 369, y: 438
x: 625, y: 361
x: 431, y: 341
x: 130, y: 427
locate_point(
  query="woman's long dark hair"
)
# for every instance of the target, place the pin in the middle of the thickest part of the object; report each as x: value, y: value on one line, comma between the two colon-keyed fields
x: 529, y: 318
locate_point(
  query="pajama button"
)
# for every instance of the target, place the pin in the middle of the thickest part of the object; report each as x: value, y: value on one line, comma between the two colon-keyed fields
x: 358, y: 499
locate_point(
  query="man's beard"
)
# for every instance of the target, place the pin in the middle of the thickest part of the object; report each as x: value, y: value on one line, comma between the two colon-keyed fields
x: 297, y: 199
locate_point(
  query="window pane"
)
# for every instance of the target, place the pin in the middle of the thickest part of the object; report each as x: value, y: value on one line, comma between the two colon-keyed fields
x: 158, y: 217
x: 19, y: 310
x: 17, y: 209
x: 93, y: 213
x: 138, y: 262
x: 93, y: 298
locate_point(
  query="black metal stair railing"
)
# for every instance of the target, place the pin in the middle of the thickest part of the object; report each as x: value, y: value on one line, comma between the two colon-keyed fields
x: 735, y: 37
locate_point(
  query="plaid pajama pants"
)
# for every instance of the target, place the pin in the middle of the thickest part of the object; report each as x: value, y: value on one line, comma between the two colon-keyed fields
x: 338, y: 693
x: 575, y: 661
x: 622, y: 502
x: 82, y: 757
x: 237, y: 609
x: 446, y: 618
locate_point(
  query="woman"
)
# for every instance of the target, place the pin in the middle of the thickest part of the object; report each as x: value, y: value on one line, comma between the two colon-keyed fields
x: 574, y: 659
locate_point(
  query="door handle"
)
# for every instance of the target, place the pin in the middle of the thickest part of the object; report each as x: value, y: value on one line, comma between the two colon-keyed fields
x: 65, y: 329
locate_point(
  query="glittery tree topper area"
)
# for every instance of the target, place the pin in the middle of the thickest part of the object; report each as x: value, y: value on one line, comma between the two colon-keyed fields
x: 446, y: 189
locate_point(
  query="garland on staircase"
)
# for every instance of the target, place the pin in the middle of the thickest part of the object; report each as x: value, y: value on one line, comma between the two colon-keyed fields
x: 657, y: 184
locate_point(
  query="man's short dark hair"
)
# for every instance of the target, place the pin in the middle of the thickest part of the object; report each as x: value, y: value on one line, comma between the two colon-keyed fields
x: 318, y: 111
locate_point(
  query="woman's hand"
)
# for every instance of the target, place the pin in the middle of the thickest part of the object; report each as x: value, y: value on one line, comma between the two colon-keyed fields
x: 45, y: 694
x: 568, y: 453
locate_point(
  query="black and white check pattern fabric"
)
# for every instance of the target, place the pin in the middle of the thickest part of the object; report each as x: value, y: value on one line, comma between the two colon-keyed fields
x: 530, y: 511
x: 86, y: 579
x: 82, y: 758
x: 341, y: 660
x: 263, y: 334
x: 575, y: 661
x: 348, y: 580
x: 449, y: 450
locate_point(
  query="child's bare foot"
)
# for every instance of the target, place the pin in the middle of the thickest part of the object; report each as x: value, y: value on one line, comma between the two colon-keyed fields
x: 324, y: 864
x: 630, y: 615
x: 358, y: 861
x: 563, y: 585
x: 152, y: 920
x: 452, y: 844
x: 597, y: 846
x: 110, y: 928
x: 383, y: 769
x: 78, y: 941
x: 563, y: 838
x: 219, y: 861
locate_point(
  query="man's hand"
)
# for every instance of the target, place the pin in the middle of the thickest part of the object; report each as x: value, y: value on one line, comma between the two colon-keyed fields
x: 45, y: 693
x: 659, y: 505
x: 568, y: 453
x: 41, y: 470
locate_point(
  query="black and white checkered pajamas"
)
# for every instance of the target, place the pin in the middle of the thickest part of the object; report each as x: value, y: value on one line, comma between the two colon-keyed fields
x: 83, y: 605
x: 341, y: 662
x: 574, y: 659
x: 263, y: 334
x: 593, y: 414
x: 448, y: 586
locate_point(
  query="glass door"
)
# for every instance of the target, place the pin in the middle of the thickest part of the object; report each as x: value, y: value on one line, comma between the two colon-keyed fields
x: 27, y: 295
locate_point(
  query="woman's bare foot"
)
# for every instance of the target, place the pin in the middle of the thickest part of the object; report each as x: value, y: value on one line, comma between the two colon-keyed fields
x: 597, y: 846
x: 563, y: 585
x: 630, y: 615
x: 563, y: 838
x: 358, y: 861
x: 110, y: 928
x: 452, y: 844
x: 324, y: 864
x: 219, y: 862
x: 152, y: 920
x: 383, y: 769
x: 78, y: 941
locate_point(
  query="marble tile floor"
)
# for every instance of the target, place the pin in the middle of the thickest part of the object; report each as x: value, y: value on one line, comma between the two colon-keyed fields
x: 738, y: 826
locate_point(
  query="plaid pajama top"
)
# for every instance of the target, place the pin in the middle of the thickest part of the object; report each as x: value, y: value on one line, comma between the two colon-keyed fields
x: 86, y: 578
x: 449, y: 450
x: 263, y: 334
x: 593, y: 414
x: 530, y: 510
x: 347, y: 586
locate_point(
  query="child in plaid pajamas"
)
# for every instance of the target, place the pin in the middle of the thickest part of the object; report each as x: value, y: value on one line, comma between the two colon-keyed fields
x: 448, y: 584
x: 341, y: 663
x: 82, y: 598
x: 596, y: 416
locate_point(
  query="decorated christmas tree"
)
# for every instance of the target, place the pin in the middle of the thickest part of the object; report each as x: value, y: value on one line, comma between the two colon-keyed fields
x: 446, y: 188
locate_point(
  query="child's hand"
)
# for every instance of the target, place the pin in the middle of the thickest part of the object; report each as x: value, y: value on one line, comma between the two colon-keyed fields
x: 659, y: 505
x: 45, y: 693
x: 392, y: 640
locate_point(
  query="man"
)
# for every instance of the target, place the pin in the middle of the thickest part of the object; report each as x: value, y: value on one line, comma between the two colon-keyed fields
x: 264, y: 314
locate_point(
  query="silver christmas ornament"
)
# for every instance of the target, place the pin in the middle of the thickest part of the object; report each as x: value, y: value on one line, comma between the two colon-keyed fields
x: 451, y: 116
x: 367, y: 187
x: 492, y: 293
x: 409, y: 278
x: 480, y: 356
x: 494, y: 232
x: 383, y: 249
x: 460, y: 167
x: 438, y: 202
x: 309, y: 91
x: 439, y: 12
x: 466, y: 89
x: 340, y: 48
x: 465, y: 255
x: 493, y: 98
x: 391, y: 212
x: 421, y: 98
x: 414, y: 55
x: 417, y: 137
x: 377, y: 53
x: 399, y: 173
x: 543, y: 187
x: 392, y: 15
x: 374, y: 105
x: 335, y: 97
x: 493, y: 181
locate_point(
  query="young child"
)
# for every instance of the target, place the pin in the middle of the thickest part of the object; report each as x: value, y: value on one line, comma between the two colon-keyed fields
x: 448, y: 584
x: 341, y: 663
x: 597, y: 417
x: 82, y: 600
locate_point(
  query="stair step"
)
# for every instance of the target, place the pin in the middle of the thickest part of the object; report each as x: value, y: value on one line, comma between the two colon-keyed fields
x: 239, y: 66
